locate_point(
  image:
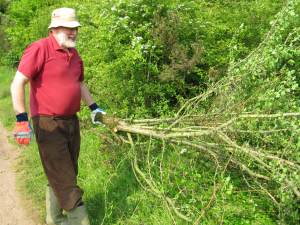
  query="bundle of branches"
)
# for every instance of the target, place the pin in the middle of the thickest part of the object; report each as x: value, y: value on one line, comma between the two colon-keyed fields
x: 251, y: 123
x: 219, y: 139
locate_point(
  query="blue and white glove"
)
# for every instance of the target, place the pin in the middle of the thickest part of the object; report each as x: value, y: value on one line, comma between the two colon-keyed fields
x: 95, y: 110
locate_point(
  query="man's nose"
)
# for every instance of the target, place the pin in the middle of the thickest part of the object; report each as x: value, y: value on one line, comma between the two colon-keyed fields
x: 72, y: 31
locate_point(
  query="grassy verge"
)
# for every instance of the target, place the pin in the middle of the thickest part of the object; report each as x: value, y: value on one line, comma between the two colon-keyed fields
x: 30, y: 177
x: 6, y: 113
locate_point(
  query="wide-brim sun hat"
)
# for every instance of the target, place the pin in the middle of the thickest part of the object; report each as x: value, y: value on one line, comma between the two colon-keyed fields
x: 64, y: 17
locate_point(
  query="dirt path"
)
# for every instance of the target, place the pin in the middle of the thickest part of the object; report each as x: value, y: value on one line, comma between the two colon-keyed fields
x: 12, y: 207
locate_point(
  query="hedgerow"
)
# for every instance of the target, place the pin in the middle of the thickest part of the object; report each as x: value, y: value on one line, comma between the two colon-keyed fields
x: 149, y: 54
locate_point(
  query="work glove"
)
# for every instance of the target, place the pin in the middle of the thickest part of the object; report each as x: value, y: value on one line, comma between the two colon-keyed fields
x: 96, y: 114
x: 22, y: 131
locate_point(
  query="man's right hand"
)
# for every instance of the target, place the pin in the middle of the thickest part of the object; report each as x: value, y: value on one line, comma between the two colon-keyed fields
x: 22, y: 131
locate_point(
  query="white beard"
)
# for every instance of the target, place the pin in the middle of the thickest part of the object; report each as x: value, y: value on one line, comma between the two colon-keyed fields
x: 64, y: 41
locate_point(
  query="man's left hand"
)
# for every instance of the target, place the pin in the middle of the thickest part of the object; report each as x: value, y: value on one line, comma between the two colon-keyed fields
x: 96, y: 116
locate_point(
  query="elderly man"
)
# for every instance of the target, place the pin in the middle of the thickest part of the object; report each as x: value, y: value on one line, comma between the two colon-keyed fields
x: 54, y: 70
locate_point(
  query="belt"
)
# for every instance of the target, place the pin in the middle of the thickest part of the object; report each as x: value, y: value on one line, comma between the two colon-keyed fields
x: 58, y: 117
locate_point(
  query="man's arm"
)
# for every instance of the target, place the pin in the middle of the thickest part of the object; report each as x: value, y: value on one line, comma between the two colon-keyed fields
x: 22, y: 131
x: 86, y: 95
x: 17, y: 89
x: 88, y: 100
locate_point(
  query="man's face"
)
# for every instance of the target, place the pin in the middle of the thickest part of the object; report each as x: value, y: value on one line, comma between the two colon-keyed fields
x: 66, y: 37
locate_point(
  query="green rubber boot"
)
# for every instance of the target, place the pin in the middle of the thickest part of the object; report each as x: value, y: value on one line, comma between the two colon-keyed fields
x: 78, y: 216
x: 54, y: 215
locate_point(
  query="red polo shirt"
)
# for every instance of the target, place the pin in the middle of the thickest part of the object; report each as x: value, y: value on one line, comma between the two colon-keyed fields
x: 55, y: 77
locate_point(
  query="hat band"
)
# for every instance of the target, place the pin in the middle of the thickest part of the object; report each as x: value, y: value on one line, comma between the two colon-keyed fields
x: 70, y: 24
x: 69, y: 19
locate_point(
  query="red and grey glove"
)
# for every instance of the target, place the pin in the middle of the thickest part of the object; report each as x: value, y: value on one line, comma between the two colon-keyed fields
x: 22, y: 131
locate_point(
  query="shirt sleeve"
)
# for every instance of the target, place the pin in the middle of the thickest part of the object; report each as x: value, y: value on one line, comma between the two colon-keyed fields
x: 32, y: 60
x: 81, y: 78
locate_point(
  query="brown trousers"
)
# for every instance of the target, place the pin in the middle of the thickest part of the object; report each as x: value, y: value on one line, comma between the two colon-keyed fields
x: 58, y: 140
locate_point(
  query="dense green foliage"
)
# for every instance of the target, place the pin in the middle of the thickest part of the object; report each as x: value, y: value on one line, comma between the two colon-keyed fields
x: 3, y: 41
x: 149, y: 54
x: 144, y: 58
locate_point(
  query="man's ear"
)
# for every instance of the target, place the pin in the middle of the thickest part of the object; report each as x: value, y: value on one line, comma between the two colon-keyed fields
x: 53, y: 30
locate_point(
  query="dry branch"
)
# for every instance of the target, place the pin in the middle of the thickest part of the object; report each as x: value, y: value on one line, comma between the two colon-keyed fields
x: 197, y: 138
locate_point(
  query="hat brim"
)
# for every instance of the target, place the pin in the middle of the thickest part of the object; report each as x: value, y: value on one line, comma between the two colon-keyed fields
x: 71, y: 24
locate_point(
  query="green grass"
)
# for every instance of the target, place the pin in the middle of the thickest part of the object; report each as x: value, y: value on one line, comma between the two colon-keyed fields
x: 6, y: 112
x: 112, y: 193
x: 30, y: 177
